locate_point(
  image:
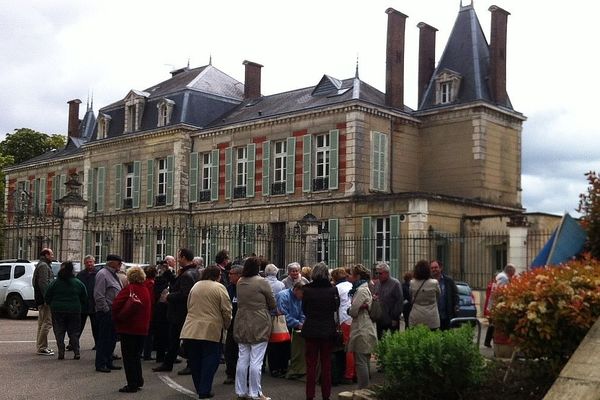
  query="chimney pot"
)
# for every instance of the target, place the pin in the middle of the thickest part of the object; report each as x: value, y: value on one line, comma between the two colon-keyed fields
x: 73, y: 123
x: 252, y: 80
x: 426, y: 56
x: 394, y: 65
x: 497, y: 67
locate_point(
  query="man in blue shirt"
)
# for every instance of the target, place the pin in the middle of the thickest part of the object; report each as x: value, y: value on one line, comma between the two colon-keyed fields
x: 289, y: 303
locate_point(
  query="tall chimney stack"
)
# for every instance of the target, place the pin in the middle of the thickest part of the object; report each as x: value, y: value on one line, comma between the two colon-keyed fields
x: 426, y: 56
x: 73, y: 127
x: 498, y: 55
x: 394, y: 59
x: 252, y: 80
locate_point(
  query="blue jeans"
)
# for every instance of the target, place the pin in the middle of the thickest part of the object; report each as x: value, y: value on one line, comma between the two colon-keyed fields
x: 107, y: 339
x: 204, y: 358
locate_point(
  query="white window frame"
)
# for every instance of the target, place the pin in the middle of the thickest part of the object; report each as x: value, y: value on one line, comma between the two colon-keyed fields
x: 161, y: 244
x: 382, y: 236
x: 161, y: 176
x: 445, y: 92
x: 279, y: 161
x: 206, y: 177
x: 241, y: 166
x: 128, y: 192
x: 98, y: 242
x: 322, y: 155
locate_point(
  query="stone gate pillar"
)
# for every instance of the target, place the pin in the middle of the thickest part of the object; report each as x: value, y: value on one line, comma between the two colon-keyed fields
x: 517, y: 242
x: 73, y: 208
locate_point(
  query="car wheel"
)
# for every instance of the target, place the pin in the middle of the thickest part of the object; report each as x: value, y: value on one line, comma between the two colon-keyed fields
x: 16, y: 307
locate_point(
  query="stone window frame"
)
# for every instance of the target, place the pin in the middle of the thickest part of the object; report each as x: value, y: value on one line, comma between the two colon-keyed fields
x: 103, y: 125
x: 134, y: 110
x: 165, y: 111
x: 161, y: 172
x: 447, y: 86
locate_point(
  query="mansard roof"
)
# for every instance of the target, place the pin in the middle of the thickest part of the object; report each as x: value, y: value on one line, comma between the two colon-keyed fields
x: 467, y: 53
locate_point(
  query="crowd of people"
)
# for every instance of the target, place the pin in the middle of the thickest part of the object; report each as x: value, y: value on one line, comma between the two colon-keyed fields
x: 224, y: 313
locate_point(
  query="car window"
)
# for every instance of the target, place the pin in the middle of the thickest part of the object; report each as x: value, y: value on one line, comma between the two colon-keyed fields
x: 4, y: 272
x: 19, y: 271
x: 464, y: 290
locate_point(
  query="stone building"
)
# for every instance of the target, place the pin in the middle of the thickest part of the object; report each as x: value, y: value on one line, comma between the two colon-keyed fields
x: 349, y: 167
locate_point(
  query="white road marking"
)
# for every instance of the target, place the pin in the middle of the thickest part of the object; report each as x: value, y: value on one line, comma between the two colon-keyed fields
x: 174, y: 385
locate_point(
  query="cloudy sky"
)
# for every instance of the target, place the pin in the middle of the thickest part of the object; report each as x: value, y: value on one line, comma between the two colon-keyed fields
x: 57, y: 50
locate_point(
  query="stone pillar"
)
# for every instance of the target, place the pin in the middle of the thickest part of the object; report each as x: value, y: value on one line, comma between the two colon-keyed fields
x: 73, y: 208
x: 517, y: 242
x: 310, y: 248
x: 418, y: 230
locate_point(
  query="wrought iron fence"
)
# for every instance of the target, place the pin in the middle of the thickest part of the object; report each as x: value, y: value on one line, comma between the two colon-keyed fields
x: 144, y: 238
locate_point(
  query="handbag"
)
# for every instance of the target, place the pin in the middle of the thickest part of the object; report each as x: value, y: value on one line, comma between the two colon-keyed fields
x: 132, y: 306
x: 279, y: 331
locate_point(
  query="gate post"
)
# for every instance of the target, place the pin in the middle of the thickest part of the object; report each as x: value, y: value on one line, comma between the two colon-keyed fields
x: 517, y: 241
x: 73, y: 208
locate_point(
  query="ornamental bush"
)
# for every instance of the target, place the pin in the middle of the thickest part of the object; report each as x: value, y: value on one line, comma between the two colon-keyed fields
x: 548, y: 311
x: 424, y: 364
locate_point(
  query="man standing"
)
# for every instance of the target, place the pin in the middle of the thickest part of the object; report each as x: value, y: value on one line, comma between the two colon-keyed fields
x: 289, y: 303
x: 389, y: 292
x: 42, y: 276
x: 87, y: 276
x: 502, y: 279
x: 222, y: 261
x: 448, y: 301
x: 231, y: 347
x: 187, y: 275
x: 106, y: 288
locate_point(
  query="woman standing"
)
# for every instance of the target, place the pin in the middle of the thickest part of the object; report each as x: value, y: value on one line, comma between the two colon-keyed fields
x: 132, y: 325
x: 340, y: 278
x: 207, y: 319
x: 67, y: 297
x: 424, y: 294
x: 252, y: 329
x: 363, y: 333
x: 320, y: 304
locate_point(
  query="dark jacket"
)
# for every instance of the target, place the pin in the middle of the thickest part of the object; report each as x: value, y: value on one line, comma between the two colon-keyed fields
x: 88, y: 279
x: 67, y: 295
x: 42, y: 276
x: 392, y: 300
x: 161, y: 282
x: 449, y: 300
x: 320, y: 304
x: 178, y: 294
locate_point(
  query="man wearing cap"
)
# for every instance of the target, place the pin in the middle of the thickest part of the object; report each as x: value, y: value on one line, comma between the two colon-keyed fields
x: 106, y: 287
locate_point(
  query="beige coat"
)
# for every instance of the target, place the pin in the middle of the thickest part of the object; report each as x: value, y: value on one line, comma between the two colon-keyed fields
x: 363, y: 334
x: 253, y: 317
x: 209, y: 312
x: 425, y: 310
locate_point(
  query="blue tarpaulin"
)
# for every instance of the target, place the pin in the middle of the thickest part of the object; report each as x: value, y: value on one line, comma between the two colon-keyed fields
x: 566, y: 242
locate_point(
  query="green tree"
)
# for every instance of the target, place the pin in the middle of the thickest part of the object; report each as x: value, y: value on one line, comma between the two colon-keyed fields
x: 24, y: 144
x: 589, y: 207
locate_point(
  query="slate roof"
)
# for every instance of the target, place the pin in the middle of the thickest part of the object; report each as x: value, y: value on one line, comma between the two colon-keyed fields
x: 467, y: 52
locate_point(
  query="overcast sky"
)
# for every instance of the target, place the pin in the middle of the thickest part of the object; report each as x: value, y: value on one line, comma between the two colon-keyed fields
x: 57, y: 50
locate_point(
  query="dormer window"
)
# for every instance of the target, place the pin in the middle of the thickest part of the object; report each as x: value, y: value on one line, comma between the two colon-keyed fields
x: 447, y: 86
x: 165, y: 109
x: 134, y: 109
x: 103, y: 125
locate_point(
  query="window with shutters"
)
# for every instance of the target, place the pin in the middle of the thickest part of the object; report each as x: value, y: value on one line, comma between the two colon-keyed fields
x: 321, y: 180
x: 279, y: 167
x: 241, y: 172
x: 381, y: 229
x: 379, y: 162
x: 161, y: 182
x: 206, y: 177
x: 320, y: 158
x: 161, y: 244
x: 128, y: 188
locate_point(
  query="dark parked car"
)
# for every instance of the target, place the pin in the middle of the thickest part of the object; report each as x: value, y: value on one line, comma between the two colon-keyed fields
x: 466, y: 302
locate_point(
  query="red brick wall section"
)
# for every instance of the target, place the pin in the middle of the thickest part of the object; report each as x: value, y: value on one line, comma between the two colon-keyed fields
x: 258, y: 163
x: 342, y: 157
x: 12, y: 186
x: 48, y: 205
x: 222, y: 147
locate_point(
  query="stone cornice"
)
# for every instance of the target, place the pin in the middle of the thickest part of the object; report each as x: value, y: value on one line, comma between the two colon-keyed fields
x: 44, y: 163
x: 133, y: 137
x: 500, y: 113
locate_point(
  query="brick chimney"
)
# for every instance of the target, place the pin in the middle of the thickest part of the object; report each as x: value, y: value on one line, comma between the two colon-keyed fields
x: 426, y: 56
x: 498, y: 55
x: 73, y: 127
x: 252, y: 80
x: 394, y: 59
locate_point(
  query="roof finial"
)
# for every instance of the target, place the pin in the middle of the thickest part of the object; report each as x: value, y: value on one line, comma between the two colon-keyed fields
x: 87, y: 103
x: 210, y: 59
x: 188, y: 64
x: 356, y: 72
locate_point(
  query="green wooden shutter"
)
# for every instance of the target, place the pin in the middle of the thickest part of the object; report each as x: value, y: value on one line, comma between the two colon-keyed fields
x: 170, y: 179
x: 55, y: 192
x: 306, y: 163
x: 169, y: 242
x: 118, y: 186
x: 290, y: 165
x: 333, y: 226
x: 137, y: 169
x: 214, y: 176
x: 334, y: 139
x: 266, y: 168
x: 250, y: 185
x: 367, y: 244
x: 383, y: 177
x: 193, y: 178
x: 376, y: 150
x: 43, y: 195
x: 90, y: 189
x: 62, y: 188
x: 395, y: 245
x: 148, y: 247
x: 150, y: 183
x: 228, y: 173
x: 100, y: 195
x: 34, y: 194
x: 249, y: 245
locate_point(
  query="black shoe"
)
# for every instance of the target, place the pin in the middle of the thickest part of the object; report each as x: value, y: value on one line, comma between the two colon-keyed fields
x: 114, y: 367
x: 103, y: 369
x: 185, y: 371
x: 128, y: 389
x: 206, y: 396
x: 76, y: 356
x: 69, y: 348
x: 162, y: 368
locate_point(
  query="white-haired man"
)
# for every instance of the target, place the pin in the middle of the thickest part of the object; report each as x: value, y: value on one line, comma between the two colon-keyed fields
x: 389, y: 292
x: 293, y: 277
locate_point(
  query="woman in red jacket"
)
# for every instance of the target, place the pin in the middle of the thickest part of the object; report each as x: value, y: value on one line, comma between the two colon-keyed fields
x: 131, y: 311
